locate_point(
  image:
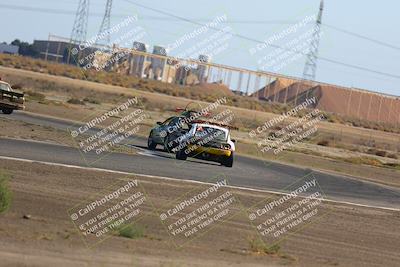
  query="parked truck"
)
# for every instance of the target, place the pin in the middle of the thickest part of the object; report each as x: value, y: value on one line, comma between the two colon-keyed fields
x: 9, y: 99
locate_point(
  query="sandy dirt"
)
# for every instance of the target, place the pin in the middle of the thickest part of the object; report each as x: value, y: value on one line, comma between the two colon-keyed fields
x: 344, y: 236
x: 28, y: 131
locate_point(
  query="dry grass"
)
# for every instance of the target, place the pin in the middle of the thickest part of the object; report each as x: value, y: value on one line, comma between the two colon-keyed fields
x: 5, y: 193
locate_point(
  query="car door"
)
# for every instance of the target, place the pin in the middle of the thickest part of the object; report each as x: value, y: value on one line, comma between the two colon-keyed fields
x: 160, y: 131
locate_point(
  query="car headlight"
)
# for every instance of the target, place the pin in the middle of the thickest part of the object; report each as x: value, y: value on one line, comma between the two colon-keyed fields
x: 225, y: 146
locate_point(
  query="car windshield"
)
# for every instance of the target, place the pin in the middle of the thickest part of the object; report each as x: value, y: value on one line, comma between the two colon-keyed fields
x: 179, y: 124
x: 211, y: 133
x: 4, y: 86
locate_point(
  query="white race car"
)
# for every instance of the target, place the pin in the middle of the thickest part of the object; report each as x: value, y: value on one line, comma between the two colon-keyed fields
x: 206, y: 141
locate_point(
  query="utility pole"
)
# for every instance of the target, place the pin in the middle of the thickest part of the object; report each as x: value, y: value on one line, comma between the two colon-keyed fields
x: 79, y: 29
x: 310, y: 67
x: 105, y: 26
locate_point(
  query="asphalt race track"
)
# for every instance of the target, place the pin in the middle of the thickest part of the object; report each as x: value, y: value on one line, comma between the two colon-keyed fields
x: 246, y: 172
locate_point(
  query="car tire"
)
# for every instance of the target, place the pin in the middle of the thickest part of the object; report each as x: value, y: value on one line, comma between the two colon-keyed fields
x: 228, y: 162
x: 171, y: 148
x: 181, y: 155
x: 166, y: 141
x: 7, y: 111
x: 150, y: 143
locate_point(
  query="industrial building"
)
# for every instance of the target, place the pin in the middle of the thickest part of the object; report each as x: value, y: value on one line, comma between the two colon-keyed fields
x: 158, y: 63
x: 51, y: 50
x: 9, y: 49
x: 136, y: 61
x: 59, y: 51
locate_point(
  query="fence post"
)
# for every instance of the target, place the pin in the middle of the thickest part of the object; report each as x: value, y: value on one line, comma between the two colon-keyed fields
x: 359, y: 106
x: 380, y: 107
x: 369, y: 106
x: 348, y: 102
x: 390, y: 110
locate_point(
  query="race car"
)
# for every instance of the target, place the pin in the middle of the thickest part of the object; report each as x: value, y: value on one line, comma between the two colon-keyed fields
x: 207, y: 141
x: 194, y: 138
x: 166, y: 131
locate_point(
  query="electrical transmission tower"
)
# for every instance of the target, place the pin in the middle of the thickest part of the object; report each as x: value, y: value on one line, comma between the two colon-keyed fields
x: 79, y: 29
x: 310, y: 68
x: 104, y: 32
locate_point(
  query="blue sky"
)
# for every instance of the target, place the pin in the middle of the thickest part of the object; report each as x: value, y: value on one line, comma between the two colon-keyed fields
x: 376, y: 19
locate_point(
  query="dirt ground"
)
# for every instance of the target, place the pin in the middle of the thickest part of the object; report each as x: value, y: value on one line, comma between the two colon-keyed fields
x: 345, y: 236
x: 29, y: 131
x: 23, y: 130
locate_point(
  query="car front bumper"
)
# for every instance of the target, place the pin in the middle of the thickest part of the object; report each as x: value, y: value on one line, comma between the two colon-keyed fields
x: 211, y: 151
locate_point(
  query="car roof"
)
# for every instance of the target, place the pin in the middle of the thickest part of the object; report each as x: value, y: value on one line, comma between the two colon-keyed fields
x: 212, y: 126
x: 5, y: 83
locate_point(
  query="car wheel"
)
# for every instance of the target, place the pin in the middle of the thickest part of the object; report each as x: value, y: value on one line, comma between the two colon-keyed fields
x: 7, y: 111
x: 181, y: 155
x: 150, y: 143
x: 167, y: 148
x: 228, y: 162
x: 169, y: 139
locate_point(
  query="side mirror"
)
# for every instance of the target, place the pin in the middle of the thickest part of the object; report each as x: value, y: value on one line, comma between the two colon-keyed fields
x: 159, y: 122
x: 233, y: 140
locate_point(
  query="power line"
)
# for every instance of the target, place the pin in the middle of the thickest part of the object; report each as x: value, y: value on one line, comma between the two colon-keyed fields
x: 70, y: 12
x: 261, y: 42
x: 361, y: 36
x: 226, y: 22
x: 45, y: 10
